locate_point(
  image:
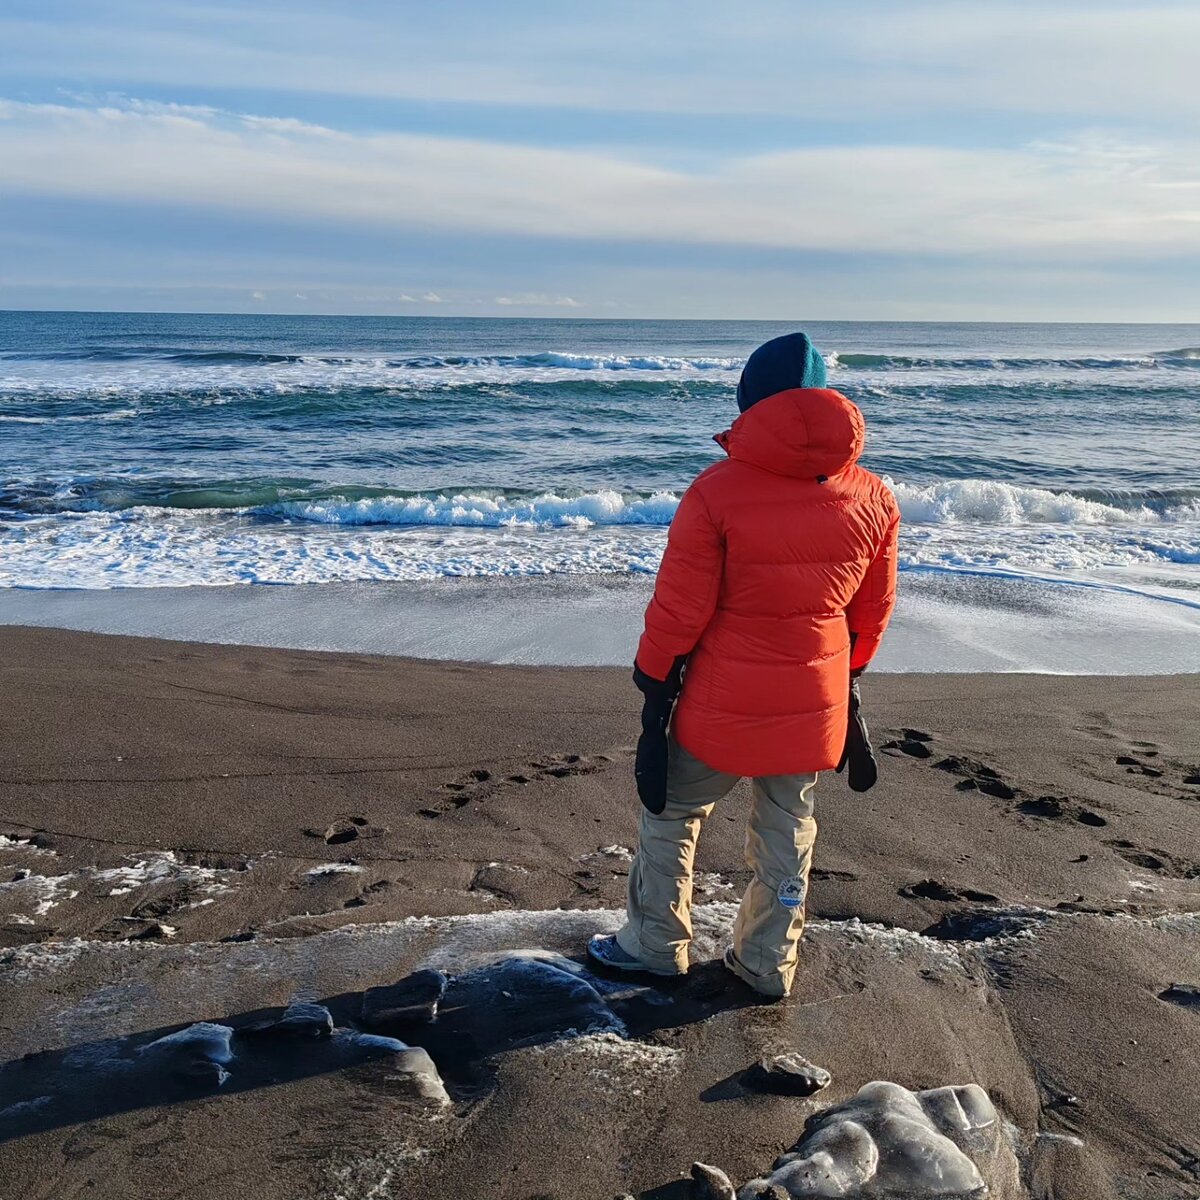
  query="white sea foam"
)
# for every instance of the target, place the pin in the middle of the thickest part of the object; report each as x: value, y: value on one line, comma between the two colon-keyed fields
x: 200, y: 376
x: 956, y: 502
x: 961, y: 525
x: 546, y: 511
x: 201, y: 373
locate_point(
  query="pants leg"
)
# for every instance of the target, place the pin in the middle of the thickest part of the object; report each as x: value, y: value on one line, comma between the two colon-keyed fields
x: 779, y: 844
x: 658, y: 926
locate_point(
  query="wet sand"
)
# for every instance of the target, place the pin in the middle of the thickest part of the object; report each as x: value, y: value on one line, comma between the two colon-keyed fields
x: 198, y: 832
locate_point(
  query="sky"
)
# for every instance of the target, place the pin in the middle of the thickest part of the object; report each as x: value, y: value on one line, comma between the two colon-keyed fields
x: 975, y: 160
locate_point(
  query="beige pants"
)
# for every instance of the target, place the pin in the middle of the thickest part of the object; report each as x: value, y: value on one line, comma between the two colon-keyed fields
x: 779, y: 843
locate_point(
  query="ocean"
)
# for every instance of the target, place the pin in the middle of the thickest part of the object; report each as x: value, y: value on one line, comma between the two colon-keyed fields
x: 165, y: 451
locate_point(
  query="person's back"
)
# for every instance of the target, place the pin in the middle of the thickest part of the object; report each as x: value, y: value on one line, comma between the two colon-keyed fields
x: 763, y: 583
x: 780, y: 558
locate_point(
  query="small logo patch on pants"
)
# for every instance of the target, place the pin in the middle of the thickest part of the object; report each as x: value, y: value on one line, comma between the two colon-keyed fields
x: 791, y: 892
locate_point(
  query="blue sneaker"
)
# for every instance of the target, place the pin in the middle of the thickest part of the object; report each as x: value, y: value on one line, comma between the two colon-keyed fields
x: 603, y: 948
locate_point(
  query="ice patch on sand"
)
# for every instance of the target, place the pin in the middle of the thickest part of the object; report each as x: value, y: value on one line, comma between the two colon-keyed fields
x: 22, y: 963
x: 471, y: 941
x: 618, y: 1063
x: 621, y: 852
x: 201, y: 1051
x: 333, y: 868
x: 37, y: 893
x: 27, y: 845
x: 154, y: 867
x: 895, y: 941
x: 372, y: 1178
x: 889, y: 1141
x: 705, y: 883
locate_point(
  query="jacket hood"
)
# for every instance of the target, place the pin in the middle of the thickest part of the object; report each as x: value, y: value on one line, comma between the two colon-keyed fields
x: 808, y: 433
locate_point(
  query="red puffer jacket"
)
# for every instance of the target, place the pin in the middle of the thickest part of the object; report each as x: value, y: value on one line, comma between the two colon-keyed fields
x: 774, y: 557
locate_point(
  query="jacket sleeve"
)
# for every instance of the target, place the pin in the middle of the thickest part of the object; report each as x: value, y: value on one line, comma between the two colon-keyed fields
x: 870, y: 610
x: 689, y: 581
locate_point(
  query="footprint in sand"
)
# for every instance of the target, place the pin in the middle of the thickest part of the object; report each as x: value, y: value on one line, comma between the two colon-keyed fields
x: 913, y: 742
x: 482, y: 784
x: 973, y: 774
x: 935, y: 889
x: 1188, y: 778
x: 1134, y: 767
x: 1060, y: 808
x: 976, y: 776
x: 1157, y: 861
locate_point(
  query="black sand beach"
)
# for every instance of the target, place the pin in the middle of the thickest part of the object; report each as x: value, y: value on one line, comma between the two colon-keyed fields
x: 200, y: 833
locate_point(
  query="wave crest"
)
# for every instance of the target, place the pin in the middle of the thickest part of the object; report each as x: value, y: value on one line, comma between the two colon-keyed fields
x: 848, y: 360
x: 991, y: 502
x: 547, y: 511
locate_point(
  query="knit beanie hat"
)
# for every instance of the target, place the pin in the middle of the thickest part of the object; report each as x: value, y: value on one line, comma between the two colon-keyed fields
x: 791, y: 361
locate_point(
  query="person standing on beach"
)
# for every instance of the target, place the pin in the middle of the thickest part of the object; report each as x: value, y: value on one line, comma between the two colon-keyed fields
x: 777, y: 584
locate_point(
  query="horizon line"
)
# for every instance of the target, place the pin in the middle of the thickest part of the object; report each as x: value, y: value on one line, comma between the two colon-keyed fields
x: 137, y: 312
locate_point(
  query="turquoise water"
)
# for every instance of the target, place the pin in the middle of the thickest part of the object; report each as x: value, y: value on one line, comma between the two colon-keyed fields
x: 158, y: 450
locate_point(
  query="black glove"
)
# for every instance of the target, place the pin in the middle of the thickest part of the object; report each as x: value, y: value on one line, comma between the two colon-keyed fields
x: 864, y: 770
x: 650, y: 765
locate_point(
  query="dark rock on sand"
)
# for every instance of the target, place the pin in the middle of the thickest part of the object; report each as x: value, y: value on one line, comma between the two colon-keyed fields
x: 299, y: 1020
x: 710, y: 1183
x: 413, y: 1000
x: 788, y: 1075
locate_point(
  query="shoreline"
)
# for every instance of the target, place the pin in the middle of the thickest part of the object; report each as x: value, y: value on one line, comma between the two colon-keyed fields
x: 945, y: 621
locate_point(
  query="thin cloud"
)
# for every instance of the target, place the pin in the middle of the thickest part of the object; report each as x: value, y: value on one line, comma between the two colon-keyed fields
x: 1090, y: 197
x: 537, y: 300
x: 776, y: 57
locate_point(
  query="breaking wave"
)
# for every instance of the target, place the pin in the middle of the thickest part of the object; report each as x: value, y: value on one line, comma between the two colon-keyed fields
x: 879, y: 362
x: 561, y: 359
x: 547, y: 511
x: 962, y: 502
